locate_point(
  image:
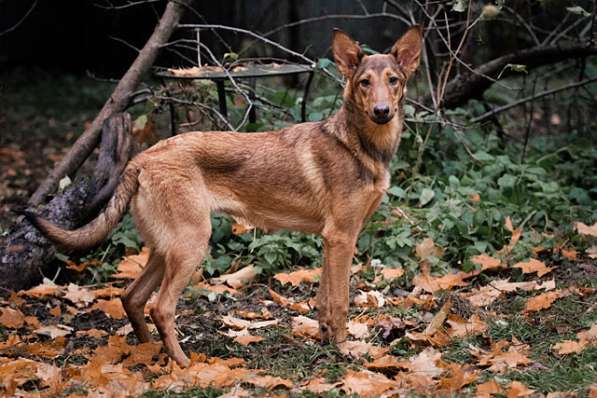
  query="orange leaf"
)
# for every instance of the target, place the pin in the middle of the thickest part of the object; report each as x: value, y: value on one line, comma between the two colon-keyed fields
x: 302, y: 307
x: 131, y: 266
x: 517, y: 389
x: 487, y: 389
x: 458, y: 377
x: 585, y: 229
x: 239, y: 229
x: 390, y: 274
x: 112, y: 308
x: 239, y: 278
x: 486, y: 262
x: 269, y: 382
x: 542, y: 301
x: 569, y: 347
x: 305, y: 327
x: 570, y: 254
x: 359, y: 348
x: 533, y: 266
x: 297, y: 277
x: 460, y: 327
x: 366, y: 384
x: 247, y: 339
x: 432, y: 284
x: 12, y: 319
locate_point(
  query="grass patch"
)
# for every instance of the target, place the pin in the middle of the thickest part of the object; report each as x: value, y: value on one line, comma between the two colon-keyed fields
x: 195, y: 393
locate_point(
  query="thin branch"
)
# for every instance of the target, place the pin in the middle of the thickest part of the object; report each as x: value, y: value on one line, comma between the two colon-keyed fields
x: 127, y: 5
x: 15, y: 26
x: 521, y: 101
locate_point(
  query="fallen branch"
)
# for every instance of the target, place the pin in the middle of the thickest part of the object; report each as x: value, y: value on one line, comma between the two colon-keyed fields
x: 521, y: 101
x: 117, y: 101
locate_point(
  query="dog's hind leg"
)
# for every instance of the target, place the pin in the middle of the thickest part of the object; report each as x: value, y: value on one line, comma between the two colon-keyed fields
x: 138, y: 292
x: 182, y: 258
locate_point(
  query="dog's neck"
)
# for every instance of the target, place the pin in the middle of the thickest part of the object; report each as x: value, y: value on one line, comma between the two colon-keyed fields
x: 363, y: 137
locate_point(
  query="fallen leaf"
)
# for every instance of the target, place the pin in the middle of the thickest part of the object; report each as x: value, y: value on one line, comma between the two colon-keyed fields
x: 112, y: 308
x: 533, y: 266
x: 461, y: 328
x: 238, y: 323
x: 433, y: 284
x: 427, y: 248
x: 425, y: 362
x: 458, y: 377
x: 239, y: 278
x: 108, y: 292
x: 517, y: 389
x: 131, y: 266
x: 570, y: 254
x: 541, y: 301
x: 592, y: 252
x: 11, y: 318
x: 358, y: 330
x: 305, y: 327
x: 297, y: 277
x: 569, y: 347
x: 78, y: 295
x: 269, y: 382
x: 319, y: 386
x: 359, y: 348
x: 217, y: 289
x: 96, y: 333
x: 487, y: 389
x: 486, y: 295
x: 252, y: 315
x: 390, y: 274
x: 248, y: 339
x: 372, y: 299
x: 54, y: 331
x: 438, y: 319
x: 486, y: 262
x: 301, y: 308
x: 47, y: 288
x: 365, y: 383
x: 498, y: 360
x: 585, y: 229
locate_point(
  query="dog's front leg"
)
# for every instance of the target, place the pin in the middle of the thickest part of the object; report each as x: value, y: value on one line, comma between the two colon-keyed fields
x: 333, y: 295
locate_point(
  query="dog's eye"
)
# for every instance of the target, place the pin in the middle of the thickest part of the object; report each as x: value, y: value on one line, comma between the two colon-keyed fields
x: 365, y: 83
x: 393, y: 80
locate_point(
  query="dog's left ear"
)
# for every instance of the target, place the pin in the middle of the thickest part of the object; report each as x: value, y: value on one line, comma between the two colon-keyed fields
x: 407, y: 49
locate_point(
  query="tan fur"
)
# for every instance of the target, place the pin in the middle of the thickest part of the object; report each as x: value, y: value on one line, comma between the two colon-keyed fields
x: 324, y: 177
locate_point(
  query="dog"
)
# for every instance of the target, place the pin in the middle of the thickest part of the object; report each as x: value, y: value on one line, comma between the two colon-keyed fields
x: 325, y: 178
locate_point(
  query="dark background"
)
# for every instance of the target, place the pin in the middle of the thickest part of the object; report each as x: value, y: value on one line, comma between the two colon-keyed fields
x: 77, y: 36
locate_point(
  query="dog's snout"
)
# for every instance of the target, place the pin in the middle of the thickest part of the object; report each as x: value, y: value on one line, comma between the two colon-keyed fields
x: 381, y: 110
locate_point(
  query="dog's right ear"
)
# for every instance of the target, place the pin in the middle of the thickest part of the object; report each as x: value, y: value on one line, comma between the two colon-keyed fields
x: 347, y: 53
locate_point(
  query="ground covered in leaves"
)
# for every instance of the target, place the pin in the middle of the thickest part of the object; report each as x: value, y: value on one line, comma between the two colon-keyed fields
x: 503, y: 329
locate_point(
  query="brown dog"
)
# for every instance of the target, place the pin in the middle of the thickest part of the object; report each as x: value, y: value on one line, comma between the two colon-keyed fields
x: 322, y: 177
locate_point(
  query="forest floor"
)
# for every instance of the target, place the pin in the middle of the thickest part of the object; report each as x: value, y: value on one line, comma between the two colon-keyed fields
x: 507, y: 328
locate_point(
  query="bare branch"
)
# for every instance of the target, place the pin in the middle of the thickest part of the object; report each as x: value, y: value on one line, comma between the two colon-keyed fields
x: 15, y: 26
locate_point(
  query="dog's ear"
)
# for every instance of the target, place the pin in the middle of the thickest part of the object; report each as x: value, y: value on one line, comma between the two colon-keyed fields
x: 407, y: 49
x: 347, y: 53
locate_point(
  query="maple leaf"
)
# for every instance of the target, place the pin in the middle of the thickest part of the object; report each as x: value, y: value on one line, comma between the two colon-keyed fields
x: 297, y: 277
x: 131, y: 266
x: 570, y: 254
x: 585, y: 229
x: 269, y: 382
x: 108, y: 292
x: 487, y: 389
x: 517, y: 389
x: 500, y: 360
x: 239, y: 278
x: 541, y: 301
x: 358, y: 330
x: 252, y: 315
x: 319, y: 386
x: 533, y: 266
x: 425, y: 362
x: 216, y: 289
x: 79, y: 296
x: 47, y: 288
x: 385, y: 363
x: 457, y: 378
x: 238, y: 323
x: 488, y: 294
x: 54, y: 331
x: 11, y: 318
x: 569, y: 347
x: 365, y: 383
x: 248, y: 339
x: 305, y: 327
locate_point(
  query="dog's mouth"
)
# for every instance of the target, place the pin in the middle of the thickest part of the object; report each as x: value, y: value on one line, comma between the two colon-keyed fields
x: 381, y: 119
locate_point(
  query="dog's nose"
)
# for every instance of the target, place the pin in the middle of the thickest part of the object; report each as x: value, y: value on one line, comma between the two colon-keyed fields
x: 381, y: 111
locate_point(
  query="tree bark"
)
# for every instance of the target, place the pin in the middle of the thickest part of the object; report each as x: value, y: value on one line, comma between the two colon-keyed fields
x: 472, y: 85
x: 117, y: 101
x: 24, y: 252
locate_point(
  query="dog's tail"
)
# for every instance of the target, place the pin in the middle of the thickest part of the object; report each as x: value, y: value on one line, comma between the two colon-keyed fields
x: 96, y: 231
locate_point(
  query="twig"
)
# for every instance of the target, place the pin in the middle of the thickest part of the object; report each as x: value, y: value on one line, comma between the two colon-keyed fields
x: 20, y: 21
x: 127, y: 5
x: 521, y: 101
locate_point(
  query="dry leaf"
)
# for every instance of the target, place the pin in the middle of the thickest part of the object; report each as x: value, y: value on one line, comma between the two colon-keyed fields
x: 217, y: 289
x: 54, y: 331
x: 487, y: 262
x: 460, y: 327
x: 365, y: 383
x: 11, y: 318
x: 426, y: 248
x: 358, y: 330
x: 108, y: 292
x: 390, y: 274
x: 541, y: 301
x: 319, y: 386
x: 488, y: 294
x: 517, y: 389
x: 79, y: 296
x: 112, y: 308
x: 96, y: 333
x: 487, y: 389
x: 247, y: 339
x: 372, y: 299
x: 239, y: 278
x: 592, y: 252
x: 533, y: 266
x: 570, y: 254
x: 357, y: 349
x: 425, y: 362
x: 131, y: 266
x: 238, y: 323
x: 438, y: 319
x: 457, y: 378
x: 569, y: 347
x: 386, y: 363
x: 305, y: 327
x: 269, y: 382
x: 301, y: 308
x: 47, y: 288
x: 585, y: 229
x: 297, y: 277
x: 433, y: 284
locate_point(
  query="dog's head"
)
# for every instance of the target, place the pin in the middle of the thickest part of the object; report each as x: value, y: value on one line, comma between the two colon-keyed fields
x: 377, y: 83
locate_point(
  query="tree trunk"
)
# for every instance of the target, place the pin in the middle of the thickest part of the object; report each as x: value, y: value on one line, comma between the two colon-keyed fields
x: 24, y: 252
x: 117, y: 101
